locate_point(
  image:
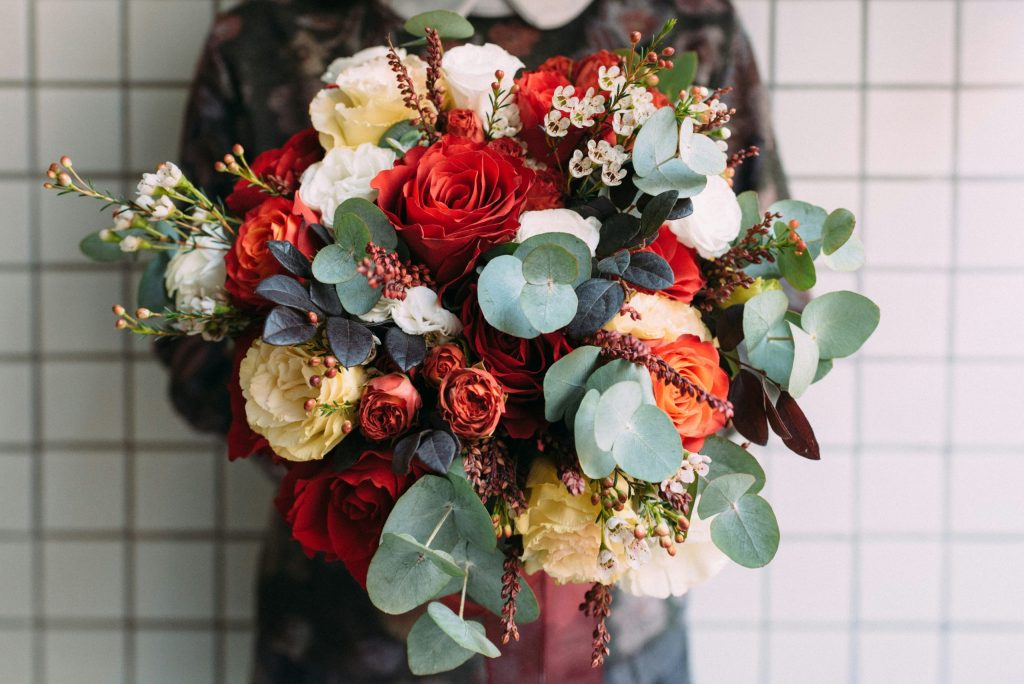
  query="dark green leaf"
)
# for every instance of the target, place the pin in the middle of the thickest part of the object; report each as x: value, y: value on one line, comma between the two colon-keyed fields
x: 325, y: 297
x: 350, y: 342
x: 98, y: 250
x: 285, y: 327
x: 681, y: 209
x: 680, y: 76
x: 152, y: 291
x: 837, y: 230
x: 615, y: 264
x: 797, y: 269
x: 620, y: 230
x: 649, y: 271
x: 285, y: 290
x: 404, y: 349
x: 656, y: 212
x: 599, y: 300
x: 289, y: 256
x: 436, y: 449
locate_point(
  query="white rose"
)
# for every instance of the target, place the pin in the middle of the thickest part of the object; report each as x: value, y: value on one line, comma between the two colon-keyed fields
x: 469, y: 73
x: 421, y: 313
x: 696, y: 561
x: 197, y: 270
x: 358, y: 59
x: 714, y: 223
x: 344, y: 173
x: 559, y: 221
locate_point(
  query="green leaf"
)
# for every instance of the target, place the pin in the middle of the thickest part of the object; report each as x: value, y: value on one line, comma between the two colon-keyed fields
x: 655, y: 213
x: 565, y: 379
x: 99, y: 250
x: 703, y: 155
x: 550, y: 264
x: 501, y: 282
x: 723, y: 492
x: 334, y: 264
x: 840, y: 322
x: 594, y: 461
x: 461, y: 631
x: 469, y: 515
x: 655, y: 143
x: 774, y: 353
x: 620, y: 370
x: 356, y: 295
x: 441, y: 559
x: 431, y: 651
x: 761, y: 313
x: 152, y: 291
x: 811, y: 218
x: 649, y: 448
x: 849, y: 257
x: 401, y: 577
x: 837, y: 230
x: 680, y: 76
x: 824, y: 368
x: 382, y: 233
x: 418, y: 511
x: 485, y: 569
x: 548, y: 307
x: 797, y: 269
x: 672, y: 175
x: 805, y: 362
x: 401, y: 137
x: 728, y: 457
x: 614, y: 411
x: 572, y: 244
x: 448, y: 25
x: 750, y: 210
x: 748, y: 534
x: 351, y: 234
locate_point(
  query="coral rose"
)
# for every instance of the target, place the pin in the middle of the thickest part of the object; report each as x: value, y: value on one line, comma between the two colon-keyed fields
x: 249, y: 260
x: 472, y: 402
x: 465, y: 124
x: 585, y: 71
x: 388, y: 407
x: 683, y: 260
x: 281, y: 168
x: 341, y: 513
x: 440, y: 361
x: 454, y: 200
x: 698, y: 362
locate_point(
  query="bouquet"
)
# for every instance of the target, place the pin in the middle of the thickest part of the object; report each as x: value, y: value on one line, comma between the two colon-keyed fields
x: 497, y: 321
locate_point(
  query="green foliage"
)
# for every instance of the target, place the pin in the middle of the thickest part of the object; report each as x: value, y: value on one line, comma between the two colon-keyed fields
x: 723, y: 492
x: 747, y: 532
x: 849, y: 257
x: 570, y: 243
x: 805, y: 362
x: 152, y: 291
x: 680, y: 76
x: 382, y: 233
x: 728, y: 457
x: 448, y: 25
x: 401, y: 577
x: 484, y: 568
x: 460, y: 631
x: 837, y: 229
x: 840, y: 322
x: 97, y: 249
x: 774, y: 353
x: 761, y: 314
x: 797, y: 268
x: 564, y: 381
x: 750, y: 210
x: 656, y: 142
x: 594, y: 461
x: 431, y: 651
x: 401, y: 137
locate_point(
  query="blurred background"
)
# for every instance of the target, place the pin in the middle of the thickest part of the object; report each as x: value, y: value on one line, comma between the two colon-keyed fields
x: 128, y: 543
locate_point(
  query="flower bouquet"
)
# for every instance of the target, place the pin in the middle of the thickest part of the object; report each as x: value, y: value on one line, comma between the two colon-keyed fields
x: 496, y: 321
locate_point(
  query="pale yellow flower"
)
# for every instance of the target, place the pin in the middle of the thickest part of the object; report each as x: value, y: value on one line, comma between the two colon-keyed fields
x: 275, y: 384
x: 661, y: 318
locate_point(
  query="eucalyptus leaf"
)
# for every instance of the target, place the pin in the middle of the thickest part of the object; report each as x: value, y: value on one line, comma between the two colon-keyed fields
x: 419, y: 510
x: 594, y: 461
x: 774, y: 353
x: 849, y: 257
x: 460, y: 630
x: 334, y: 264
x: 382, y: 233
x: 811, y: 219
x: 620, y: 370
x: 548, y: 307
x: 431, y: 651
x: 727, y: 457
x: 550, y: 264
x: 442, y: 559
x: 656, y: 142
x: 649, y: 448
x: 449, y: 25
x: 98, y: 249
x: 840, y: 322
x: 485, y: 568
x: 761, y: 313
x: 748, y: 533
x: 722, y: 493
x: 837, y: 229
x: 565, y: 379
x: 805, y: 362
x: 498, y: 290
x: 401, y: 577
x: 672, y: 175
x: 572, y: 244
x: 614, y: 411
x: 356, y: 295
x: 152, y: 293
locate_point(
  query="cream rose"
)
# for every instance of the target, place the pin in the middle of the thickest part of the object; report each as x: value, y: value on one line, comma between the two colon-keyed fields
x: 197, y: 271
x: 469, y: 73
x: 275, y: 384
x: 714, y: 223
x: 360, y: 58
x: 366, y: 103
x: 559, y: 221
x: 344, y: 173
x: 696, y: 561
x: 661, y: 318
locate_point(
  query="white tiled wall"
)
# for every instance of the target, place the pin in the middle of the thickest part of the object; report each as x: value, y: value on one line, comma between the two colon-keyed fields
x: 127, y: 543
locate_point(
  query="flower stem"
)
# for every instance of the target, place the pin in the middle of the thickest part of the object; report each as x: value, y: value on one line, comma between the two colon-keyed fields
x: 465, y: 583
x: 437, y: 527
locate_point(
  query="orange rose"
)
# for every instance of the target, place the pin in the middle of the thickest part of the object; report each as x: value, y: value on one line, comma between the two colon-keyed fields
x: 249, y: 260
x: 465, y: 124
x: 472, y: 402
x: 388, y: 407
x: 442, y: 360
x: 697, y: 362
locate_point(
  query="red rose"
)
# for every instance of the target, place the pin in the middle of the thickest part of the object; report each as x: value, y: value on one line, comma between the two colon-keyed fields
x: 452, y: 201
x: 559, y: 64
x: 683, y: 261
x: 465, y: 124
x: 585, y: 70
x: 341, y: 513
x: 242, y: 441
x: 280, y: 168
x: 517, y: 364
x: 442, y: 360
x: 534, y: 90
x: 388, y: 406
x: 546, y: 192
x: 249, y: 260
x: 472, y: 402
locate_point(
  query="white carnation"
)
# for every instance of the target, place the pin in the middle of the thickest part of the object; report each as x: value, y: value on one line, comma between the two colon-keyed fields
x: 421, y: 313
x: 197, y: 271
x: 714, y: 223
x: 469, y: 73
x: 344, y: 173
x: 559, y: 221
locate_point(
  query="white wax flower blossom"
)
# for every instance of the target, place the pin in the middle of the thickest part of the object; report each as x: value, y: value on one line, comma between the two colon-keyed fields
x: 619, y: 530
x: 421, y: 313
x: 700, y: 463
x: 562, y: 99
x: 580, y: 166
x: 344, y: 173
x: 559, y: 221
x: 506, y: 122
x: 612, y: 175
x: 714, y: 223
x: 469, y: 72
x: 123, y: 218
x: 169, y: 176
x: 638, y: 552
x: 610, y: 79
x: 556, y: 125
x: 197, y: 270
x: 130, y: 243
x: 696, y: 561
x: 147, y: 184
x: 357, y: 60
x: 162, y: 208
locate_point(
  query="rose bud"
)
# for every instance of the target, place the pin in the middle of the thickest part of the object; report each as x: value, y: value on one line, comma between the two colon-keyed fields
x: 442, y: 360
x: 388, y: 406
x: 465, y: 124
x: 472, y: 402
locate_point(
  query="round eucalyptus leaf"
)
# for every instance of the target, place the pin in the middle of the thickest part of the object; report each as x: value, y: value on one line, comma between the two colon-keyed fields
x: 501, y: 282
x: 849, y: 257
x: 98, y: 249
x: 723, y: 492
x: 418, y: 512
x: 811, y: 218
x: 572, y: 244
x: 550, y: 263
x: 485, y: 569
x: 840, y: 322
x: 615, y: 410
x: 431, y: 651
x: 548, y: 307
x: 565, y: 379
x: 401, y: 577
x: 441, y: 559
x: 449, y: 25
x: 797, y: 268
x: 620, y: 370
x: 465, y: 633
x: 356, y: 295
x: 748, y: 533
x: 594, y: 461
x: 774, y: 353
x: 333, y: 264
x: 656, y: 142
x: 805, y: 362
x: 761, y: 313
x: 469, y: 515
x: 649, y: 448
x: 728, y: 457
x: 382, y: 233
x: 837, y: 229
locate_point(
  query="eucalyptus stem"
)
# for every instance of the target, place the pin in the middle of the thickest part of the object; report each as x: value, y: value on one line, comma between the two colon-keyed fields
x: 465, y: 583
x: 437, y: 527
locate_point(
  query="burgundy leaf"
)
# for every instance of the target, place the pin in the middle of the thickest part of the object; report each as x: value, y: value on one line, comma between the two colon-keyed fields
x: 801, y: 437
x: 729, y: 327
x: 749, y: 401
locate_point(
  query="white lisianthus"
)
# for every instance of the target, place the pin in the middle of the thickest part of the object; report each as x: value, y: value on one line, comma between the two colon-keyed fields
x: 559, y: 221
x: 421, y: 313
x: 714, y: 223
x: 197, y: 271
x: 344, y: 173
x: 469, y: 73
x: 380, y: 312
x: 696, y: 561
x: 335, y: 68
x: 366, y: 102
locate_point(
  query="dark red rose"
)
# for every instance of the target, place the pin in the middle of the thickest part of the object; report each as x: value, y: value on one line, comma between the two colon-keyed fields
x: 546, y: 192
x: 452, y: 201
x: 471, y: 402
x: 280, y: 168
x: 585, y: 70
x: 249, y: 260
x: 242, y: 441
x: 518, y: 364
x: 341, y: 513
x: 388, y: 406
x: 465, y: 124
x: 440, y: 361
x: 683, y: 261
